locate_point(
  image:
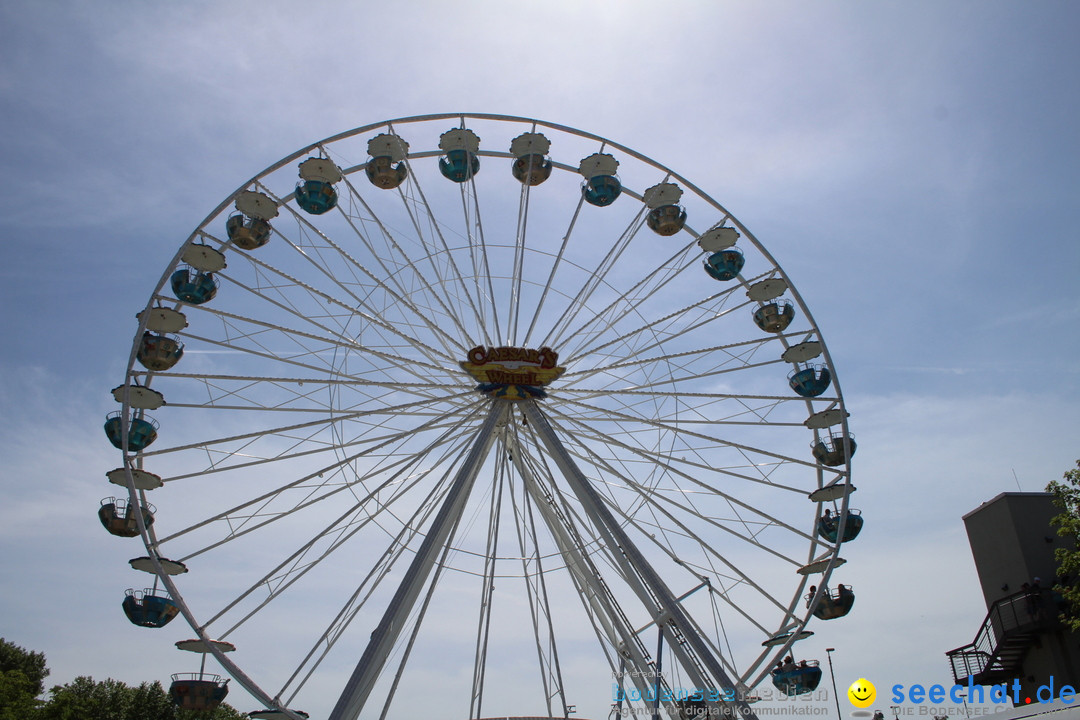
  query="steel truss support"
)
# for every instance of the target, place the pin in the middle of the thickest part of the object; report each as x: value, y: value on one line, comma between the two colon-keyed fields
x: 683, y: 639
x: 356, y: 691
x: 594, y: 593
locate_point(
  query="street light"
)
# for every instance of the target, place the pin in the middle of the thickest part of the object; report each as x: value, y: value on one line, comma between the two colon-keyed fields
x: 963, y: 698
x: 836, y: 695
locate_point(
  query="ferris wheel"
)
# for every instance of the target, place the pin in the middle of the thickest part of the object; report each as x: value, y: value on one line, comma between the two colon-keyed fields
x: 479, y: 415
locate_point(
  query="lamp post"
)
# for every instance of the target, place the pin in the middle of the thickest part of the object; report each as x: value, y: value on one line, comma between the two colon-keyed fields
x: 836, y: 695
x: 963, y: 698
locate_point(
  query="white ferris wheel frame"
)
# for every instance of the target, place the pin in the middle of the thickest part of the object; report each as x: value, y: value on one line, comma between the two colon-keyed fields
x: 683, y: 634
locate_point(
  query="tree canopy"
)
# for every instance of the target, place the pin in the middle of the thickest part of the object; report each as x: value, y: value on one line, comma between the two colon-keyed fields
x: 1067, y: 497
x: 87, y: 699
x: 22, y: 679
x: 22, y: 682
x: 30, y: 664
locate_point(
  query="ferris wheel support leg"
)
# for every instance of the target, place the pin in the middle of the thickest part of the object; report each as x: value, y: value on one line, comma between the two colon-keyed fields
x: 593, y: 592
x: 359, y: 686
x: 620, y: 543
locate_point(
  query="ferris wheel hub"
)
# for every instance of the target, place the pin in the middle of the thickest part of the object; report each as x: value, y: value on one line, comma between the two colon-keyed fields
x: 513, y: 373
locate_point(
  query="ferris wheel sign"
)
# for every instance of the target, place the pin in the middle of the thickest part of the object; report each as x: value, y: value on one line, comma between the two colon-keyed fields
x: 512, y: 372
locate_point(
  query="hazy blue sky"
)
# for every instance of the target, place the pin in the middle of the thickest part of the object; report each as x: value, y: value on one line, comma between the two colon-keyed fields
x: 911, y: 165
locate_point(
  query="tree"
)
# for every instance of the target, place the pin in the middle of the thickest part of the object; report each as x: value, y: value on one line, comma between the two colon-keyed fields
x: 17, y: 699
x: 22, y: 679
x: 1067, y: 497
x: 87, y: 699
x: 31, y: 664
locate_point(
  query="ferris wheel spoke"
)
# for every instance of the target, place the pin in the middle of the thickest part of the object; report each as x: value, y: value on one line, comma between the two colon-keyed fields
x: 234, y: 327
x: 556, y: 262
x: 474, y: 235
x: 651, y: 500
x: 354, y: 520
x: 286, y: 430
x: 738, y: 353
x: 403, y: 258
x: 370, y: 664
x: 711, y: 440
x: 576, y: 545
x: 312, y: 253
x: 380, y: 447
x: 745, y: 412
x: 416, y: 197
x: 579, y: 303
x: 348, y: 613
x: 618, y: 384
x: 720, y: 629
x: 316, y: 385
x: 348, y: 310
x: 518, y: 273
x: 726, y: 659
x: 693, y: 408
x: 651, y: 457
x: 248, y: 460
x: 407, y: 651
x: 547, y: 287
x: 651, y: 496
x: 537, y: 595
x: 430, y: 289
x: 737, y: 576
x: 695, y: 656
x: 686, y: 533
x: 234, y: 331
x: 298, y: 298
x: 417, y: 369
x: 268, y: 352
x: 487, y: 591
x: 148, y: 378
x: 245, y: 397
x: 220, y: 466
x: 283, y: 291
x: 398, y: 544
x: 637, y: 396
x: 438, y: 288
x: 709, y: 310
x: 626, y: 302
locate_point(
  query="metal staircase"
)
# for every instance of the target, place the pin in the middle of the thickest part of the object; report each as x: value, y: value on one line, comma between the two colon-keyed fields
x: 1013, y: 624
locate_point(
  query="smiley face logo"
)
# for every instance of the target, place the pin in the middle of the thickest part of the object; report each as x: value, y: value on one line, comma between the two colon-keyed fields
x: 862, y: 693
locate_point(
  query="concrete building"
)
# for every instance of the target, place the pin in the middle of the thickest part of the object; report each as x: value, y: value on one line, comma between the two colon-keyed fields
x: 1013, y: 543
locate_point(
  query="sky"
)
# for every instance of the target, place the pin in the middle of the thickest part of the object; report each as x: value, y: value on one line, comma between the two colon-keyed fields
x: 911, y: 165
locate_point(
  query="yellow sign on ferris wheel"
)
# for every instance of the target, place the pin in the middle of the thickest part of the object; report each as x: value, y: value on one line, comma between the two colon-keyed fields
x: 513, y: 373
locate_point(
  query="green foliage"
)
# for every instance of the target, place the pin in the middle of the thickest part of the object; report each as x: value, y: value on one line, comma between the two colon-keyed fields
x: 17, y: 699
x: 87, y: 699
x: 30, y: 664
x: 1067, y: 497
x: 22, y: 680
